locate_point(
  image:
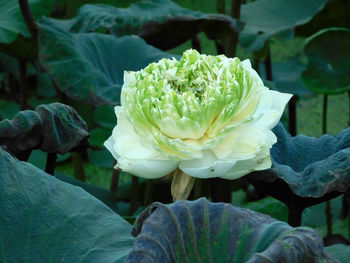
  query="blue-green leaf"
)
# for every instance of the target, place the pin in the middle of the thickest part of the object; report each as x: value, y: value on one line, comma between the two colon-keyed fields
x: 266, y: 18
x: 46, y: 220
x: 90, y: 67
x: 200, y: 231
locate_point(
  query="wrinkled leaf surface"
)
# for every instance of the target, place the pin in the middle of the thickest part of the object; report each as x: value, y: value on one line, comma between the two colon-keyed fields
x: 200, y: 231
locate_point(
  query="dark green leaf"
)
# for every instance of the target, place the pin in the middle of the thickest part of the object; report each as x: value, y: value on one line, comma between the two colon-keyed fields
x: 8, y: 109
x: 105, y: 196
x: 44, y: 86
x: 271, y: 207
x: 46, y: 220
x: 162, y: 23
x: 105, y: 117
x: 328, y: 69
x: 200, y: 231
x: 101, y: 158
x: 266, y: 18
x: 15, y: 38
x: 99, y: 136
x: 90, y: 67
x: 53, y: 128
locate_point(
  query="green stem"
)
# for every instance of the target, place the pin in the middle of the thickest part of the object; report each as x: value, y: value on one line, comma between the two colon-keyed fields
x: 50, y: 163
x: 268, y: 65
x: 328, y: 212
x: 349, y: 105
x: 220, y: 6
x: 294, y: 216
x: 292, y: 116
x: 328, y: 209
x: 148, y: 192
x: 78, y: 167
x: 236, y: 8
x: 115, y: 180
x: 28, y: 18
x: 324, y: 114
x: 134, y: 194
x: 23, y: 83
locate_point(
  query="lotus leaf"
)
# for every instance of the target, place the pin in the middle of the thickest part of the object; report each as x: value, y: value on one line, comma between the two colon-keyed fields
x: 53, y: 128
x: 328, y: 68
x: 162, y: 23
x: 90, y: 66
x: 43, y: 219
x: 200, y: 231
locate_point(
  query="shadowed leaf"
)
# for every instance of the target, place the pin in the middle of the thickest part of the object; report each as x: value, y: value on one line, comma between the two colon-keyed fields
x: 53, y: 128
x: 162, y: 23
x: 200, y: 231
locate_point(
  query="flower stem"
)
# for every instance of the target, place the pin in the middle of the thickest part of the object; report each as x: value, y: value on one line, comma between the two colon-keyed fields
x: 181, y: 185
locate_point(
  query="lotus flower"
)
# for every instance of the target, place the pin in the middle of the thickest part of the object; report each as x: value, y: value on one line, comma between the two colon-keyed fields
x: 209, y: 116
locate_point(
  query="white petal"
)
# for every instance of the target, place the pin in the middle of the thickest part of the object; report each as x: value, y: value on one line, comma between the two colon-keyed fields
x: 109, y: 144
x: 261, y: 161
x: 207, y: 167
x: 245, y: 142
x: 128, y: 144
x: 148, y: 169
x: 271, y: 116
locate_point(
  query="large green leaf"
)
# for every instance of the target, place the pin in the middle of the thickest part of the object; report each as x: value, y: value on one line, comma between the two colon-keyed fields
x: 287, y: 78
x: 90, y: 67
x: 266, y: 18
x: 53, y: 128
x: 162, y: 23
x: 340, y: 252
x: 311, y: 167
x: 11, y: 20
x: 15, y: 38
x: 328, y: 69
x: 200, y: 231
x: 43, y: 219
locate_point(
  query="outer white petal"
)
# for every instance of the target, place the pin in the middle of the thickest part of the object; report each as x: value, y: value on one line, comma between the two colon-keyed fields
x: 207, y: 167
x: 128, y: 144
x: 109, y: 144
x: 148, y: 169
x: 134, y: 157
x: 271, y: 115
x: 261, y: 161
x: 245, y: 142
